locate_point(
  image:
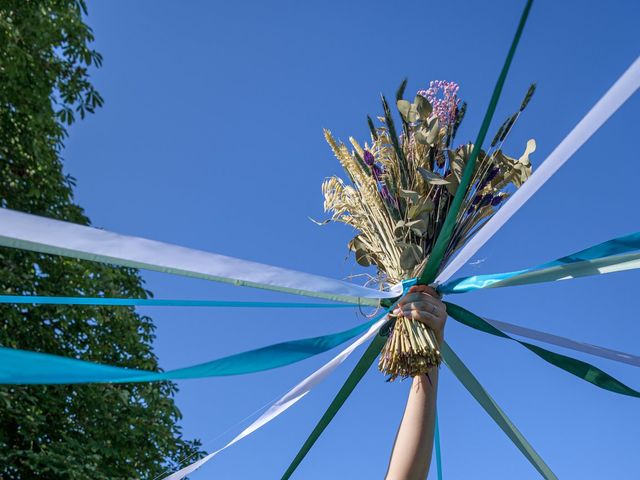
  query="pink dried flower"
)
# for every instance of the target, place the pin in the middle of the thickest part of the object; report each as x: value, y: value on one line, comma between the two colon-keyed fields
x: 443, y: 96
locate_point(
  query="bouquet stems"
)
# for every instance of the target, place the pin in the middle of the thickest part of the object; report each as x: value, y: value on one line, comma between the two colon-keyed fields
x: 411, y: 350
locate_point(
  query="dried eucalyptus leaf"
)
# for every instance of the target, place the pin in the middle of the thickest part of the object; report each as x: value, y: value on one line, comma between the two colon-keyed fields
x: 431, y: 177
x: 363, y: 258
x: 404, y: 107
x: 410, y: 195
x: 419, y: 227
x: 421, y: 136
x: 434, y: 130
x: 423, y: 107
x: 411, y: 255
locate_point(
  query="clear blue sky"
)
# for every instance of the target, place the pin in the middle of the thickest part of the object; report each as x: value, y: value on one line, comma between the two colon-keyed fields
x: 211, y: 137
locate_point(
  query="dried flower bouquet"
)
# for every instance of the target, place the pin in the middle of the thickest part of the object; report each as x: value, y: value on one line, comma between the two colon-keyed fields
x: 399, y: 190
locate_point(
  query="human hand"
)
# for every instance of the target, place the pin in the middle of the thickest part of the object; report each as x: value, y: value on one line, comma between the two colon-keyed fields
x: 422, y: 303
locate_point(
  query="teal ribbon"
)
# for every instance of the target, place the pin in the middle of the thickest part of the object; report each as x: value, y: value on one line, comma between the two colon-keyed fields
x: 32, y: 368
x: 436, y: 435
x: 160, y: 302
x: 582, y: 260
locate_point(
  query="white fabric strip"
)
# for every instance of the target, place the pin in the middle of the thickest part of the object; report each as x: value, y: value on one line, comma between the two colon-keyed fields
x: 44, y: 235
x: 566, y: 343
x: 619, y: 93
x: 288, y: 400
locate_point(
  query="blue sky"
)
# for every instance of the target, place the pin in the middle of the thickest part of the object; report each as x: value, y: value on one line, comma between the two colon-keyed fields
x: 211, y: 137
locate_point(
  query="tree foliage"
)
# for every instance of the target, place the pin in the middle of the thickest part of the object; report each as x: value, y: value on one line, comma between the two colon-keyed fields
x: 68, y: 431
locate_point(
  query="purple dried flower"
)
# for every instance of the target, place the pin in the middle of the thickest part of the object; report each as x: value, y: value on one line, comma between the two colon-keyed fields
x: 492, y: 174
x: 368, y: 158
x: 496, y: 201
x: 486, y: 200
x: 476, y: 200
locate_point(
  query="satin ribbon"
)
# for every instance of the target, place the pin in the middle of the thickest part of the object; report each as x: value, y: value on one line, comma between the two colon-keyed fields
x: 159, y: 302
x: 609, y: 103
x: 31, y: 368
x: 580, y: 369
x: 490, y: 406
x: 563, y: 342
x: 436, y: 440
x: 45, y: 235
x: 607, y: 257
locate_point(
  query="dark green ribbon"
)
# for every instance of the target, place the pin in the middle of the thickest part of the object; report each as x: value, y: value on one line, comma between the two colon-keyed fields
x: 580, y: 369
x: 435, y: 259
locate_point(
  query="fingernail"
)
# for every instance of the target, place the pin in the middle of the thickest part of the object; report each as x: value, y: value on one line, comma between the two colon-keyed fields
x: 397, y: 311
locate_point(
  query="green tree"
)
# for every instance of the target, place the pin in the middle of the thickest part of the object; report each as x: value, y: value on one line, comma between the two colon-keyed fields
x: 68, y: 431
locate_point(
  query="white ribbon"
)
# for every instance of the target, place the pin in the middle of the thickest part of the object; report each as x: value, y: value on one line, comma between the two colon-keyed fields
x: 45, y: 235
x: 619, y: 93
x: 606, y: 106
x: 549, y: 338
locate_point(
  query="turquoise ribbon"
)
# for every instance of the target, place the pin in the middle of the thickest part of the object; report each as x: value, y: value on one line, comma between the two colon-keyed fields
x: 32, y: 368
x: 160, y: 302
x: 608, y: 249
x: 436, y: 435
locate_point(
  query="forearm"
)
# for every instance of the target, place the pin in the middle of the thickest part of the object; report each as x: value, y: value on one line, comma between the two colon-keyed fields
x: 413, y: 446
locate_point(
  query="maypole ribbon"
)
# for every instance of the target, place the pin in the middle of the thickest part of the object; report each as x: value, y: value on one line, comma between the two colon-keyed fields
x: 21, y: 367
x: 596, y: 350
x: 45, y: 235
x: 159, y: 302
x: 580, y: 369
x: 490, y: 406
x: 609, y: 103
x: 433, y: 264
x: 606, y: 257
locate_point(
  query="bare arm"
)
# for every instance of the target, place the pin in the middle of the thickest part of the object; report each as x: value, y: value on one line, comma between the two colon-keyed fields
x: 411, y: 455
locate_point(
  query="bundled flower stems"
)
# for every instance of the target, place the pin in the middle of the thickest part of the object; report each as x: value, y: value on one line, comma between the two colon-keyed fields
x: 398, y: 191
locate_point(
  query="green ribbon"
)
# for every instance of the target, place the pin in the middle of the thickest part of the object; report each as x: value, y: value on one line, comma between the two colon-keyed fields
x: 467, y: 379
x: 373, y: 350
x: 433, y: 264
x: 442, y: 243
x: 580, y: 369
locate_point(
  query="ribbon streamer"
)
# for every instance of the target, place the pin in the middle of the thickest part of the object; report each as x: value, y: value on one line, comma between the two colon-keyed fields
x: 607, y: 257
x: 612, y: 100
x: 45, y: 235
x: 563, y: 342
x: 436, y: 435
x: 467, y: 379
x: 159, y: 302
x: 434, y: 264
x: 21, y: 367
x: 580, y: 369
